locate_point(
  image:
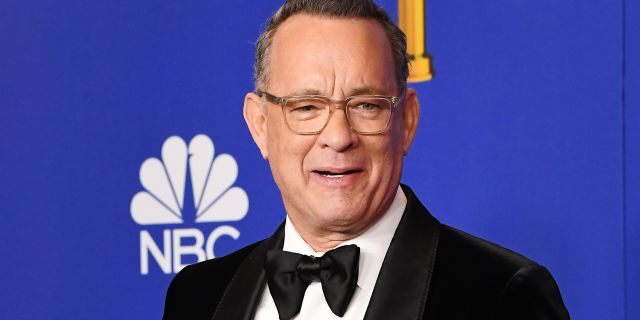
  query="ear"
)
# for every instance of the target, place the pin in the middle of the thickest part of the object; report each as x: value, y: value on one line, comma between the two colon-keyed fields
x: 410, y: 116
x: 256, y: 119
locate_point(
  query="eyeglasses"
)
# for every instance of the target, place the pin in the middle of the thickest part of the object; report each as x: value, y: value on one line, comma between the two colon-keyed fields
x: 310, y: 114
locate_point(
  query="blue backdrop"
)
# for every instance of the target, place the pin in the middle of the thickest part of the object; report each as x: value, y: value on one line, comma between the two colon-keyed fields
x: 529, y: 137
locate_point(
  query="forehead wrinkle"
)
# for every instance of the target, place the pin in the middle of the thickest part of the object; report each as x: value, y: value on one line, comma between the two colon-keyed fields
x: 358, y: 79
x: 367, y: 90
x: 349, y: 76
x: 345, y: 83
x: 333, y: 78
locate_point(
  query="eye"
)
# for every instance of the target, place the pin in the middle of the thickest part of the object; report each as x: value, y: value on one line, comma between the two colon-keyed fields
x: 305, y: 108
x: 367, y: 107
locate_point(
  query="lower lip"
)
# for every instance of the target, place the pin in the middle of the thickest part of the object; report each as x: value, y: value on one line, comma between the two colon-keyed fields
x: 338, y: 180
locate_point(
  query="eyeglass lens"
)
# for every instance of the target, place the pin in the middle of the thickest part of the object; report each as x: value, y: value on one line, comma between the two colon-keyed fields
x: 310, y: 114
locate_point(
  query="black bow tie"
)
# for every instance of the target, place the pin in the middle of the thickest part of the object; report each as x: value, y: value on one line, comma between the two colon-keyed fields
x: 289, y: 274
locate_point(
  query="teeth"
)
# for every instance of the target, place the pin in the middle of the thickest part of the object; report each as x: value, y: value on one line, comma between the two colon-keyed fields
x: 332, y: 175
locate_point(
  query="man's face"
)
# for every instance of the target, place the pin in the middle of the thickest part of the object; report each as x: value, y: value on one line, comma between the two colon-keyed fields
x: 337, y: 182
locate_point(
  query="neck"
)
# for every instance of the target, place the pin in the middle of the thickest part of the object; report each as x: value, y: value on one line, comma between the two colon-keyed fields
x: 323, y: 245
x: 326, y: 242
x: 325, y: 239
x: 324, y: 235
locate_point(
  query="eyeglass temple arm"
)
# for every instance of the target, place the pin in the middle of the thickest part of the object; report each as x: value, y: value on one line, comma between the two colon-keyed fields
x: 271, y: 98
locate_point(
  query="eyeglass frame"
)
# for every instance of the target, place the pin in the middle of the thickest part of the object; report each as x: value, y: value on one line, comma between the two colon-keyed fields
x: 282, y: 101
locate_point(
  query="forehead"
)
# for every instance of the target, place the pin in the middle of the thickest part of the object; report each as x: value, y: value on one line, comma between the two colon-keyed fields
x: 331, y: 55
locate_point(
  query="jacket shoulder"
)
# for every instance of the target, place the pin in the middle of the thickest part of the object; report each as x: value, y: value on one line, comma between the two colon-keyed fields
x: 485, y: 280
x: 195, y: 291
x: 470, y: 251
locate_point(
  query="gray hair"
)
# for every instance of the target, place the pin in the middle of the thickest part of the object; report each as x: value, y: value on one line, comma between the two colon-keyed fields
x: 333, y: 9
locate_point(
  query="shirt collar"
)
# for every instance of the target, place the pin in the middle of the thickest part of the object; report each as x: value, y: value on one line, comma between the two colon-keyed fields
x: 373, y: 243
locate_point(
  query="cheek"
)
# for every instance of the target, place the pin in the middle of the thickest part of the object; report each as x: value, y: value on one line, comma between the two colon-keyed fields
x: 286, y: 149
x: 385, y: 153
x: 396, y: 136
x: 380, y: 151
x: 276, y: 135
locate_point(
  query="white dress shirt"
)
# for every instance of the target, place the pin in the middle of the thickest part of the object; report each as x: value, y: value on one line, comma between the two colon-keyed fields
x: 373, y: 245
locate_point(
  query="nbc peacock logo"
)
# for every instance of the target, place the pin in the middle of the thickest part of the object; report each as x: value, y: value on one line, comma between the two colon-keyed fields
x: 214, y: 199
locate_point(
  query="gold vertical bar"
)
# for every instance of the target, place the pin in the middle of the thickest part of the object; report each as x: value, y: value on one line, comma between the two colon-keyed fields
x: 411, y: 17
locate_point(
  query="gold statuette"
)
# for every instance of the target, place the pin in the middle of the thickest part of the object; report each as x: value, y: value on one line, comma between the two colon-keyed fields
x: 412, y: 21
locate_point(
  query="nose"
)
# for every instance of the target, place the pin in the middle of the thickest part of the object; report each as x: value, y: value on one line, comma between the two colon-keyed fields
x: 337, y: 135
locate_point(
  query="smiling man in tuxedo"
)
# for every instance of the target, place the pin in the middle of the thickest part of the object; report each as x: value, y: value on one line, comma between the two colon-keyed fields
x: 334, y: 118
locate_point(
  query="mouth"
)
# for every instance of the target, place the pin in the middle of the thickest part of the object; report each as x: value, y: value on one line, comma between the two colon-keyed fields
x: 336, y: 173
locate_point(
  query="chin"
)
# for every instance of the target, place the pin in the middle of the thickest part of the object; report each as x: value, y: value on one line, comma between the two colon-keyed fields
x: 340, y: 216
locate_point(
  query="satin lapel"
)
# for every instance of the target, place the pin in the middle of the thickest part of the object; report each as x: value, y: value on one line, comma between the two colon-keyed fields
x: 403, y: 283
x: 242, y: 296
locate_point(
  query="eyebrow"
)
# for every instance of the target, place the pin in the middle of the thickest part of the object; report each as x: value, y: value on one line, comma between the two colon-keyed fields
x: 365, y: 90
x: 353, y: 92
x: 307, y: 92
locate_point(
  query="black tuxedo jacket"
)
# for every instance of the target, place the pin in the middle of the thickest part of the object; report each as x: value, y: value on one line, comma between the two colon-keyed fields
x: 431, y: 271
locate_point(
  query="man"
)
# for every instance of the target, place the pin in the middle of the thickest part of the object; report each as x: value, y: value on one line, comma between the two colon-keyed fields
x: 334, y: 118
